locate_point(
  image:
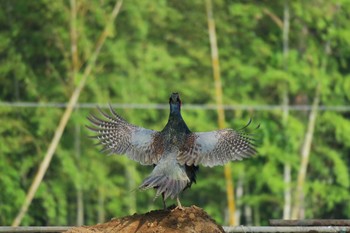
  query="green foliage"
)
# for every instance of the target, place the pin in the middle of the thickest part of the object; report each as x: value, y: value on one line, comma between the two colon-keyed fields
x: 155, y: 48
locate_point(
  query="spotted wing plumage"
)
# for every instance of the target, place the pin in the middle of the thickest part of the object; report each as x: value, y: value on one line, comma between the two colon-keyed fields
x: 216, y: 147
x: 120, y: 137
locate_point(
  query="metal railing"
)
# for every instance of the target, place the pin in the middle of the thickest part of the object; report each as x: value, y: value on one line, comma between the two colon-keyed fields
x: 237, y: 229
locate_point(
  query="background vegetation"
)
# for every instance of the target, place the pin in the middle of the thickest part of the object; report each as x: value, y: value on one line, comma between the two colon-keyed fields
x: 158, y: 47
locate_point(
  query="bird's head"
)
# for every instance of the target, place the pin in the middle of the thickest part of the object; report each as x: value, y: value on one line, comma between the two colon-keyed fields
x: 175, y: 103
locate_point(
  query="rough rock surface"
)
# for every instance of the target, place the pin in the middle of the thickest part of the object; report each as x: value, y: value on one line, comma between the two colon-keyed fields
x: 190, y: 219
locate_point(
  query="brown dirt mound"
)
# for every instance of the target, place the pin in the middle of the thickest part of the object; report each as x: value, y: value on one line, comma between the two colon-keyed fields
x: 191, y: 219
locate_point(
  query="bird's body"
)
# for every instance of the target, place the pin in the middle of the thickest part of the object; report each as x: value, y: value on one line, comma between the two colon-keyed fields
x: 175, y: 152
x: 168, y: 176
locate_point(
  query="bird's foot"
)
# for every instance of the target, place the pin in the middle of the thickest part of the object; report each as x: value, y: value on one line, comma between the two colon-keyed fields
x: 179, y: 206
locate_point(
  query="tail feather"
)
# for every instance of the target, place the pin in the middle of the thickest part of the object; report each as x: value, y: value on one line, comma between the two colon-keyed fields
x: 164, y: 184
x: 150, y: 182
x: 162, y: 189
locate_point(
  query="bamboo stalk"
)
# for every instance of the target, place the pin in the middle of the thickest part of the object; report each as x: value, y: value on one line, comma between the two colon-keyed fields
x: 63, y: 122
x: 79, y: 188
x: 130, y: 170
x: 239, y: 194
x: 73, y: 38
x: 274, y: 18
x: 305, y: 154
x: 287, y: 167
x: 101, y: 213
x: 75, y: 70
x: 219, y: 104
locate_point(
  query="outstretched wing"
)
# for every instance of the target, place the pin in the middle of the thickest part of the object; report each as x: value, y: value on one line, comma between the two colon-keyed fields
x: 120, y: 137
x: 216, y: 147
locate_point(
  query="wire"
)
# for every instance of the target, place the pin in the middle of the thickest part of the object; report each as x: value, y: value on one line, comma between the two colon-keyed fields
x: 343, y: 108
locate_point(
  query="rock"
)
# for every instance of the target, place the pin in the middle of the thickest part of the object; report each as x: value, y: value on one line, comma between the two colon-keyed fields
x: 190, y: 219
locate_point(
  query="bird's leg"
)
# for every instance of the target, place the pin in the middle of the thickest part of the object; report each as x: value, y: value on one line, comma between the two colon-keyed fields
x: 164, y: 205
x: 179, y: 206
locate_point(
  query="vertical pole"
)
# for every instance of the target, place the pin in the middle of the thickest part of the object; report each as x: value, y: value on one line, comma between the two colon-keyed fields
x: 298, y: 207
x: 305, y: 154
x: 130, y: 171
x: 79, y: 188
x: 220, y: 109
x: 73, y: 39
x: 285, y: 99
x: 101, y: 213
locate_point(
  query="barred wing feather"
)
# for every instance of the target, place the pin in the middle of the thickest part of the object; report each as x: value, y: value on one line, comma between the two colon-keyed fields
x: 120, y: 137
x: 216, y: 148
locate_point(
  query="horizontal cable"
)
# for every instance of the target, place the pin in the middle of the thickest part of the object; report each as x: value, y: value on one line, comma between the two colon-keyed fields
x: 344, y: 108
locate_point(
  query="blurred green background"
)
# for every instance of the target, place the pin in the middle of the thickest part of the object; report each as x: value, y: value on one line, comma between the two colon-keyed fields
x: 154, y: 48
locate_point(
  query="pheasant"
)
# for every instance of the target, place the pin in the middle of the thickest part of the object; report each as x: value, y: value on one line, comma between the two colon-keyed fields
x: 175, y: 152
